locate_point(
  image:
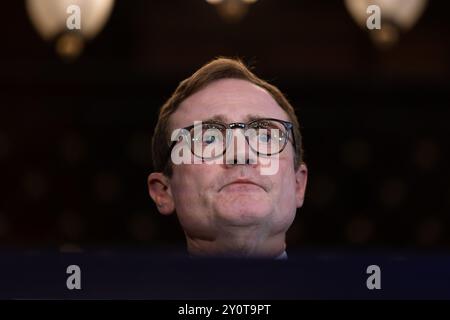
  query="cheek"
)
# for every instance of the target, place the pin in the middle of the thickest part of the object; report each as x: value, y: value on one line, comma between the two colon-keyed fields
x: 190, y: 185
x: 190, y: 188
x: 287, y: 209
x: 288, y: 190
x: 183, y: 184
x: 285, y: 184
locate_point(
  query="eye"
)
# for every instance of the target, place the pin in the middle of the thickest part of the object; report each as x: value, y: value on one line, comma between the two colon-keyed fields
x: 209, y: 138
x: 264, y: 137
x: 212, y: 136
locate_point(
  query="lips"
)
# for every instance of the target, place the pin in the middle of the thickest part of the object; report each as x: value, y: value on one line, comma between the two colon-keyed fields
x: 242, y: 185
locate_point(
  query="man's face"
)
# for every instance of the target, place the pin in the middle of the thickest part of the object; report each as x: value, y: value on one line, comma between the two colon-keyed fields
x: 212, y: 198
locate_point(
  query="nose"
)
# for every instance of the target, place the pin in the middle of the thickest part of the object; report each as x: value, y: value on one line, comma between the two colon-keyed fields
x: 238, y: 152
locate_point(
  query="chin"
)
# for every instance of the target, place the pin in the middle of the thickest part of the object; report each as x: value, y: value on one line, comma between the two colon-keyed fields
x: 244, y: 212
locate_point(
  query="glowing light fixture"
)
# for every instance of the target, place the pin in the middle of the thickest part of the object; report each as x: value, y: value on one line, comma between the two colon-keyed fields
x: 50, y: 18
x: 232, y: 10
x: 397, y: 16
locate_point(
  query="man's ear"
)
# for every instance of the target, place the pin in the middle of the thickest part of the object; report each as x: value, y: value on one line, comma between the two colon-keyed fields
x: 301, y: 177
x: 159, y: 190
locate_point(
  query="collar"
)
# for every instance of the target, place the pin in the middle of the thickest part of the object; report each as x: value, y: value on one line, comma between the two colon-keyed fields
x: 282, y: 256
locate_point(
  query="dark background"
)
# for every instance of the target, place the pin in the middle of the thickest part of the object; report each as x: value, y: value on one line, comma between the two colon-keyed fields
x: 75, y: 137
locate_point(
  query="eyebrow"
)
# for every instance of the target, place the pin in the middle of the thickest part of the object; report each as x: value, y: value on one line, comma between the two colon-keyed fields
x: 224, y: 119
x: 217, y: 118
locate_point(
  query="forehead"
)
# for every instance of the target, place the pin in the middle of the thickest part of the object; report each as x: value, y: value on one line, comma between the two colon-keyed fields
x: 234, y: 100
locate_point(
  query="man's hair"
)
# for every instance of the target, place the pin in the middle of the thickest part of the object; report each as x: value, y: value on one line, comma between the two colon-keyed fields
x: 220, y: 68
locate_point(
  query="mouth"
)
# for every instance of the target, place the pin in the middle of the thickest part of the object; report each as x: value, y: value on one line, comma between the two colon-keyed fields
x: 242, y: 185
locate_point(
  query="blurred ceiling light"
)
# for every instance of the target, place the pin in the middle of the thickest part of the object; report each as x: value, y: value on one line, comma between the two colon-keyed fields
x: 397, y: 16
x: 232, y: 10
x: 50, y: 18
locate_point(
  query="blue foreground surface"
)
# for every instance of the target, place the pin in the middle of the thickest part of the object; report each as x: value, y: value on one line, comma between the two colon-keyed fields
x: 133, y: 274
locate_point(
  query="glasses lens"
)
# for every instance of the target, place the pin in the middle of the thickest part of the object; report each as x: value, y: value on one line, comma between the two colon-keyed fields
x: 208, y: 140
x: 267, y: 137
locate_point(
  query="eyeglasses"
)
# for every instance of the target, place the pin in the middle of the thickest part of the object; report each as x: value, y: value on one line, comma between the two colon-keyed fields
x: 209, y: 140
